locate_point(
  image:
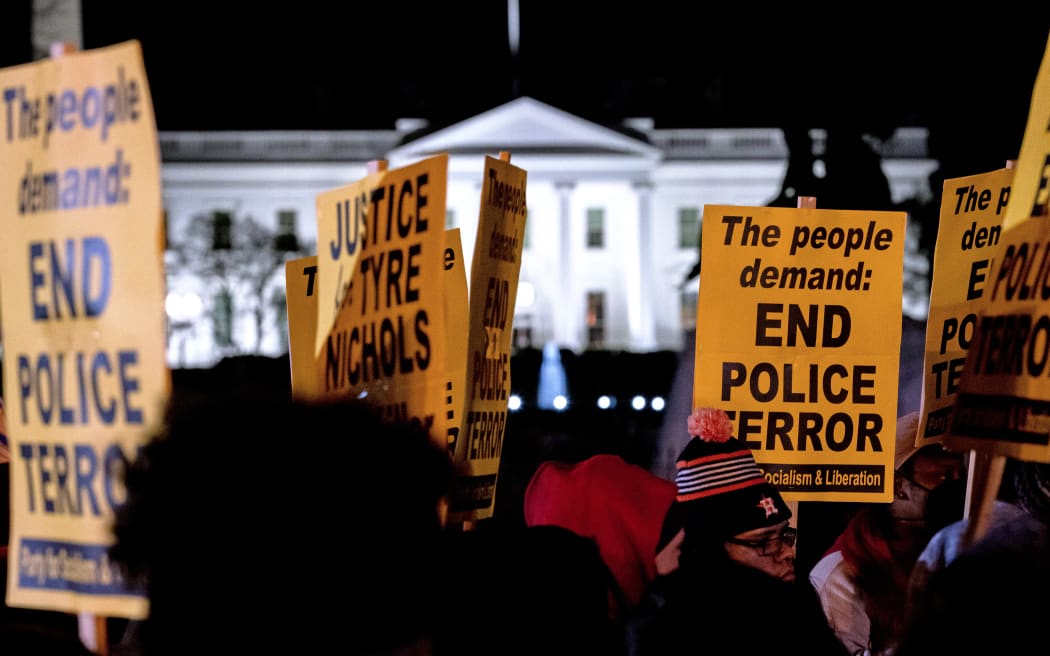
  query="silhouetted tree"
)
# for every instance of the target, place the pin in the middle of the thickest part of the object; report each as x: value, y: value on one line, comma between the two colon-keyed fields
x: 246, y: 261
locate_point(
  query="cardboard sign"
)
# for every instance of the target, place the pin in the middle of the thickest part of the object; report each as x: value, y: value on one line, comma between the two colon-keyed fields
x: 971, y: 217
x: 1030, y: 194
x: 1003, y: 402
x: 82, y: 284
x: 300, y: 284
x: 493, y: 290
x: 380, y: 267
x: 457, y: 320
x: 798, y: 339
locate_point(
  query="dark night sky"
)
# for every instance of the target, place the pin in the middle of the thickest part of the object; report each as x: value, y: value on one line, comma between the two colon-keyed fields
x: 315, y: 65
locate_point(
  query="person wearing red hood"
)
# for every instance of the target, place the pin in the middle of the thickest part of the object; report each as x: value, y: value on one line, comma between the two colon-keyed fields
x: 617, y: 504
x: 862, y: 580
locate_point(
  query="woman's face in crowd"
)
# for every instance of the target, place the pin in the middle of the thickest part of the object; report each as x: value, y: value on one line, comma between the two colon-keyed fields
x: 770, y: 550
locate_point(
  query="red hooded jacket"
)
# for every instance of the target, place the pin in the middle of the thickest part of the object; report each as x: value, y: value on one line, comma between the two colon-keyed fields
x: 619, y: 505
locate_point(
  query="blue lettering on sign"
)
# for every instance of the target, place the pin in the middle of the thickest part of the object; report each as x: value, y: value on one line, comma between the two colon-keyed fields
x: 81, y: 568
x: 74, y: 480
x: 83, y: 291
x: 47, y: 377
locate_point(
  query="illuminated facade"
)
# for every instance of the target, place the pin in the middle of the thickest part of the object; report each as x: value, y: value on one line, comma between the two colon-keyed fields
x: 612, y: 230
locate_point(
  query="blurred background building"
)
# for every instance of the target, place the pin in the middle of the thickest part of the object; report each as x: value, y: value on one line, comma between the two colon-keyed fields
x: 627, y: 120
x: 611, y: 236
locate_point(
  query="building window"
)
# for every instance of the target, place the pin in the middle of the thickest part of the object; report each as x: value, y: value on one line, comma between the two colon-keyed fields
x: 595, y: 227
x: 450, y: 218
x: 222, y: 319
x: 688, y: 227
x: 522, y: 335
x: 595, y: 319
x: 221, y: 231
x: 688, y: 309
x: 279, y: 301
x: 287, y: 238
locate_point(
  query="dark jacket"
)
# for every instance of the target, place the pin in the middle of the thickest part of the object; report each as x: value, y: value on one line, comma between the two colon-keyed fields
x: 728, y: 608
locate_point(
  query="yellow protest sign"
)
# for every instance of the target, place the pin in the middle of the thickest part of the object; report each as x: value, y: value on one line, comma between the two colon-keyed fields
x: 1030, y: 195
x: 798, y: 339
x: 494, y: 273
x: 971, y: 217
x: 82, y: 283
x: 457, y: 326
x: 342, y: 222
x: 300, y: 284
x: 1003, y: 401
x: 387, y: 341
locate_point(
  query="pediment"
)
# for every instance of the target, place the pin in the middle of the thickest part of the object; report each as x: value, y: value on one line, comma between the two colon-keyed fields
x: 525, y: 125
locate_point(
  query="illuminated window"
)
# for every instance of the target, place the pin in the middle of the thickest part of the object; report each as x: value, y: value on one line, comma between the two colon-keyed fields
x: 595, y: 227
x: 595, y: 319
x: 688, y: 227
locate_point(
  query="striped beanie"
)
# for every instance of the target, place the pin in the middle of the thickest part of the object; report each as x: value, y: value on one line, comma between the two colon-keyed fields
x: 721, y: 490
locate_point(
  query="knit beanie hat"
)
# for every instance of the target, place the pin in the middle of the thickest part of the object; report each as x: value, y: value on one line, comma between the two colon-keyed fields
x: 721, y: 490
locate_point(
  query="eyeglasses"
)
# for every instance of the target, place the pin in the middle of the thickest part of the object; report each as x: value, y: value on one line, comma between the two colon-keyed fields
x: 769, y: 546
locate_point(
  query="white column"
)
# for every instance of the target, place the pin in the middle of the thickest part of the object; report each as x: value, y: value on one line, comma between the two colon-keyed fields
x: 640, y: 289
x: 566, y: 305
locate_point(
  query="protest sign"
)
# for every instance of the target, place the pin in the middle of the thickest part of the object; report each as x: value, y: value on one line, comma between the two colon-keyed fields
x: 1030, y: 193
x: 380, y: 268
x: 1003, y: 399
x: 82, y: 283
x: 457, y: 318
x: 1002, y: 406
x: 798, y: 339
x: 300, y: 285
x: 971, y: 217
x: 493, y: 289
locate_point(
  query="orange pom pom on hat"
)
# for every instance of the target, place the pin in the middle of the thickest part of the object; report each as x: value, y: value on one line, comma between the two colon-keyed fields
x: 721, y: 490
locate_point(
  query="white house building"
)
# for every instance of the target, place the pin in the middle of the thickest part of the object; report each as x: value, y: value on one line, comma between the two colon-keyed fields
x: 612, y: 229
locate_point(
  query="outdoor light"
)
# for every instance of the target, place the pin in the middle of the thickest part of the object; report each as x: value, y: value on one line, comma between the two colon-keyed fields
x: 514, y: 402
x: 526, y: 295
x: 183, y: 309
x: 657, y: 403
x: 638, y: 402
x: 605, y: 402
x: 561, y: 402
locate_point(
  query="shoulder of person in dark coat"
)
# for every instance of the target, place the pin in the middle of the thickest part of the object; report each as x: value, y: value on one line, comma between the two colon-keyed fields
x: 990, y: 600
x: 733, y: 608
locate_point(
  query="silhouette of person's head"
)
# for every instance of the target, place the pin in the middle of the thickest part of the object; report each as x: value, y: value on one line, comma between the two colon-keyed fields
x: 260, y: 524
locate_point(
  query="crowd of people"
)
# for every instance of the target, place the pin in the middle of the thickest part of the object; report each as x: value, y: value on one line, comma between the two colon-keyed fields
x: 256, y: 522
x: 343, y: 541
